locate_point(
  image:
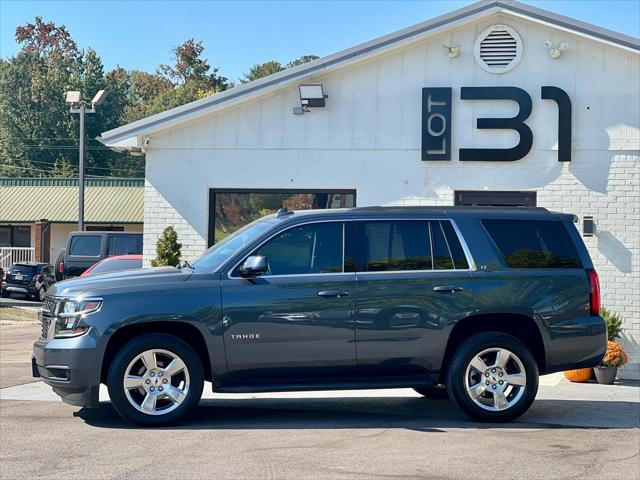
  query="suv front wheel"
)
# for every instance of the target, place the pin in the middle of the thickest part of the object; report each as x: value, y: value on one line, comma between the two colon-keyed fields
x: 155, y: 380
x: 493, y: 377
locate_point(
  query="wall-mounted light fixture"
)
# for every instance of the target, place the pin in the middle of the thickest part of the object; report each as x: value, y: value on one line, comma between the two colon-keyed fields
x: 452, y: 50
x: 556, y: 49
x: 588, y: 227
x: 311, y: 96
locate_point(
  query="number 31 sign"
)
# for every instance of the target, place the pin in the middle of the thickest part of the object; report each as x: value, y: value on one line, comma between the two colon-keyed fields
x: 436, y: 123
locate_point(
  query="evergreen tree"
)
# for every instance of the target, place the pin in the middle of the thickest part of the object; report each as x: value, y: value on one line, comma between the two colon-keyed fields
x: 167, y: 249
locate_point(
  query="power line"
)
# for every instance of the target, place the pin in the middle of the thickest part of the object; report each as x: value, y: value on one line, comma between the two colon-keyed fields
x: 90, y: 167
x: 49, y: 171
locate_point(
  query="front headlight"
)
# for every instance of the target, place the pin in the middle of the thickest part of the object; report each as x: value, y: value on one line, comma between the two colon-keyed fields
x: 70, y: 314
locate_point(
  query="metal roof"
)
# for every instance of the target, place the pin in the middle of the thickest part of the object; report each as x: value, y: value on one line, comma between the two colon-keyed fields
x: 114, y: 200
x: 121, y: 137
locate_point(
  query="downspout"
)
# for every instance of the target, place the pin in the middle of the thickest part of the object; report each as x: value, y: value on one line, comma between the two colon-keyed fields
x: 43, y: 230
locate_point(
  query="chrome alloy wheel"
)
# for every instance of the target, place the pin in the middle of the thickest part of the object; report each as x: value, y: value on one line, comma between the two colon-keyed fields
x: 495, y: 379
x: 156, y: 382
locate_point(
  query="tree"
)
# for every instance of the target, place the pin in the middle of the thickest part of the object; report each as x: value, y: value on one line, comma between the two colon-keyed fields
x: 260, y: 70
x: 167, y: 249
x: 301, y: 60
x: 189, y: 66
x: 36, y: 128
x: 46, y: 39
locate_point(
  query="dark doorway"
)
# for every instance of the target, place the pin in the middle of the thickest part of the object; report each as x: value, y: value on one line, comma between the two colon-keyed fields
x: 495, y: 199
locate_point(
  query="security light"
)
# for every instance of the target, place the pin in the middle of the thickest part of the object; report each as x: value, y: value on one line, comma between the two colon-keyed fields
x: 452, y: 50
x: 73, y: 98
x: 312, y: 95
x: 556, y: 49
x: 99, y: 98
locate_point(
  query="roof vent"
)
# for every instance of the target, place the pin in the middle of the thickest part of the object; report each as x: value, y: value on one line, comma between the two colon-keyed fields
x: 498, y: 49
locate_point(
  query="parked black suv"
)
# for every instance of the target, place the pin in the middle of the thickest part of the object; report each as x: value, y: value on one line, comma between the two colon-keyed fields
x: 27, y: 278
x: 84, y: 249
x: 479, y: 300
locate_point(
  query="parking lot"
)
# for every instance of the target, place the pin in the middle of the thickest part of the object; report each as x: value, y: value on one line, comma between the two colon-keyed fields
x: 572, y: 430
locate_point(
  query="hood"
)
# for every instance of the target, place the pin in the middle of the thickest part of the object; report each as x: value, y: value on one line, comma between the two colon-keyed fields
x: 123, y: 280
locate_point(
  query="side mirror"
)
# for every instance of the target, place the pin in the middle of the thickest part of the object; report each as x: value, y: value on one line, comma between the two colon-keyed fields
x: 254, y: 266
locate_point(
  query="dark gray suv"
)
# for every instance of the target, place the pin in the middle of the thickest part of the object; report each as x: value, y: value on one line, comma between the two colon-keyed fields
x: 469, y: 303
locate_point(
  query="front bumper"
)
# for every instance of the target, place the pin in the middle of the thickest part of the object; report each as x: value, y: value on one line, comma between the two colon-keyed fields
x: 71, y: 366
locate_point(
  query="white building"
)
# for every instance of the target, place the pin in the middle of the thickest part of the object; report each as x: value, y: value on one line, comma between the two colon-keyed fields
x: 381, y: 139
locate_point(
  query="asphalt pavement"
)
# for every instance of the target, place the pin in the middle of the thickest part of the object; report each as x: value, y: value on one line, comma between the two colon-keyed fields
x: 572, y: 430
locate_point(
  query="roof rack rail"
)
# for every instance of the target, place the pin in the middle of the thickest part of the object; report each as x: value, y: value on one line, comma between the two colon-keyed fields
x: 283, y: 212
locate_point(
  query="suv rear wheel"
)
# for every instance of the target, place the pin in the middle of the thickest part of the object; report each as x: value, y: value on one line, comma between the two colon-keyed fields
x: 155, y: 380
x: 493, y: 377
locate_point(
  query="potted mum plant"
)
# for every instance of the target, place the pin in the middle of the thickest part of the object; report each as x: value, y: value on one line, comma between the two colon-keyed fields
x: 608, y: 369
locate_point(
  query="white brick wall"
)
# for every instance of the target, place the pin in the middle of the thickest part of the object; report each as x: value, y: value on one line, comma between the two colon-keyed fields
x: 368, y: 138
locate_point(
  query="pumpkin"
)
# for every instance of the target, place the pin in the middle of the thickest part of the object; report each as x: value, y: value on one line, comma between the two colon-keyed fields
x: 580, y: 375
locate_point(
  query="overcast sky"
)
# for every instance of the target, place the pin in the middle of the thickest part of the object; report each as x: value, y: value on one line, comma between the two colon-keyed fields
x: 236, y: 35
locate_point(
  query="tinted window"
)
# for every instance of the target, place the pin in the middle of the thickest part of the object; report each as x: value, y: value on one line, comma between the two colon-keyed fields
x: 21, y: 236
x: 5, y: 236
x: 85, y: 245
x: 441, y: 257
x: 113, y: 265
x: 455, y: 248
x: 312, y: 248
x: 533, y: 243
x: 393, y: 246
x: 24, y: 269
x: 124, y: 245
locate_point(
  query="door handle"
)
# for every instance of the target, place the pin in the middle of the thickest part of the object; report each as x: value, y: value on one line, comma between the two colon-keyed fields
x: 332, y: 293
x: 448, y: 289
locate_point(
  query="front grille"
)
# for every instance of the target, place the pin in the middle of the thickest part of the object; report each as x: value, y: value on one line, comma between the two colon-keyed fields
x: 49, y: 304
x: 46, y: 323
x: 46, y: 316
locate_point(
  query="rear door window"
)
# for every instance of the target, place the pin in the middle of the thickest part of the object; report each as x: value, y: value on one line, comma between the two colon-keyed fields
x: 124, y: 245
x: 533, y: 243
x: 85, y: 245
x: 393, y: 246
x: 442, y: 259
x: 455, y: 247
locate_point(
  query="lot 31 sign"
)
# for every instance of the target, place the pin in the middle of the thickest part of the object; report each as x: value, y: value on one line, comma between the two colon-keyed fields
x: 437, y: 124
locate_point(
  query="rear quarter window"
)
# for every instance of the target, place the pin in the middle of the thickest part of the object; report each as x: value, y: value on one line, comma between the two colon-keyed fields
x: 533, y: 243
x: 85, y: 245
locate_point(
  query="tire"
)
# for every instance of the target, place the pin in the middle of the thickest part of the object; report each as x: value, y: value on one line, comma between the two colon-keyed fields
x: 512, y: 397
x: 433, y: 392
x: 161, y: 409
x: 4, y: 294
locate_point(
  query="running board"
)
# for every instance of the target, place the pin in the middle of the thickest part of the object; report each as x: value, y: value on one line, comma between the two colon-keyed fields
x: 377, y: 383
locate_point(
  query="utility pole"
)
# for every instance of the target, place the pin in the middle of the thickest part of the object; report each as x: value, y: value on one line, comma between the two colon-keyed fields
x: 76, y: 105
x: 81, y: 171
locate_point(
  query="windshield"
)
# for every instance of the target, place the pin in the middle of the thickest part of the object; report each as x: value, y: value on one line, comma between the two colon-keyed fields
x: 215, y: 256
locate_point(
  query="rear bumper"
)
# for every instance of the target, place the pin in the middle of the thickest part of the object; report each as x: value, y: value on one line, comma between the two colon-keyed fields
x: 71, y: 366
x: 26, y: 289
x: 575, y: 343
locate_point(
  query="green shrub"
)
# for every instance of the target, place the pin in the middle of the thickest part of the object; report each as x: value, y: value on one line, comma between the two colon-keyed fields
x: 614, y: 323
x: 167, y: 249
